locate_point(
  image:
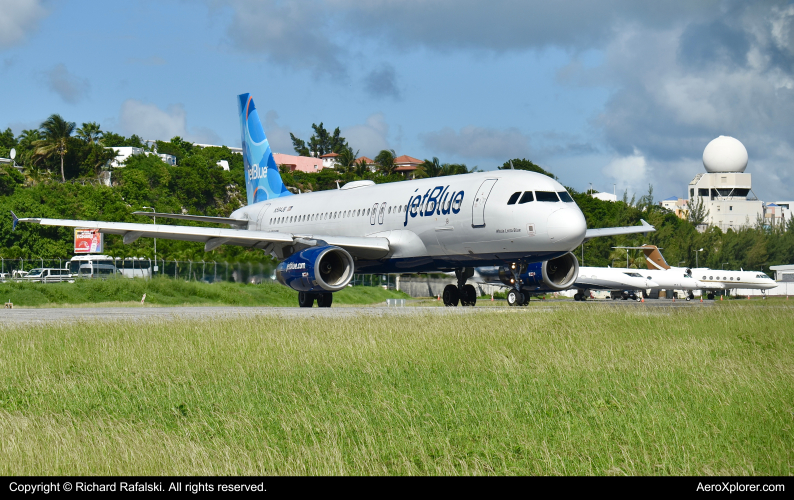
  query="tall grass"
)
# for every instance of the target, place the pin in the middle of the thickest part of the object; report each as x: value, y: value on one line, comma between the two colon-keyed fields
x: 574, y: 389
x: 166, y: 291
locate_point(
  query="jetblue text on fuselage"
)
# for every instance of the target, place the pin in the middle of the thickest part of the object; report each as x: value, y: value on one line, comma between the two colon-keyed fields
x: 438, y: 201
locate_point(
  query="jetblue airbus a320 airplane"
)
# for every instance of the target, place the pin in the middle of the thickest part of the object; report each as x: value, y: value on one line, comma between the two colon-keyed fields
x: 450, y: 223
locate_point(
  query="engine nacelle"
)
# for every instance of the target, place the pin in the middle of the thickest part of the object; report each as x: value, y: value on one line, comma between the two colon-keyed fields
x: 555, y: 274
x: 317, y: 269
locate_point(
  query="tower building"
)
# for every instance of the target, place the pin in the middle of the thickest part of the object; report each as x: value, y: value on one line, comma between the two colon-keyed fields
x: 725, y: 190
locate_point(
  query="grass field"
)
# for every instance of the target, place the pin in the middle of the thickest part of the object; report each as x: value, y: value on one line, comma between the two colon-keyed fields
x: 169, y: 292
x: 570, y: 389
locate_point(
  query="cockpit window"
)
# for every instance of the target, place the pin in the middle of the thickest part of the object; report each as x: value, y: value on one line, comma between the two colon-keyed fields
x: 564, y: 196
x: 527, y: 197
x: 546, y: 196
x: 513, y: 198
x: 633, y: 275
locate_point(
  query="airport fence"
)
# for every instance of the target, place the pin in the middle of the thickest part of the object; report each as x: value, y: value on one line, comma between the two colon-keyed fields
x: 207, y: 271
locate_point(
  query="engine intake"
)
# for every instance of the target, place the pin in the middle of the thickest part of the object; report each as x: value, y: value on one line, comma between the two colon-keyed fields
x: 560, y: 273
x: 317, y: 269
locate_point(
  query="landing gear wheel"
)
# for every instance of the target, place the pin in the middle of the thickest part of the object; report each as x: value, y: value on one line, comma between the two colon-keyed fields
x: 305, y: 299
x: 577, y: 296
x: 469, y: 296
x: 324, y: 299
x: 514, y: 297
x: 710, y: 296
x: 451, y: 296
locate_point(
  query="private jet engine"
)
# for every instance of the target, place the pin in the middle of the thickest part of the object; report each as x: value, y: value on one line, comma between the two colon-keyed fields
x: 317, y: 269
x: 555, y: 274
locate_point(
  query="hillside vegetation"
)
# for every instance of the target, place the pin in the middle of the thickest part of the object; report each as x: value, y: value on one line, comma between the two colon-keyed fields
x: 198, y: 185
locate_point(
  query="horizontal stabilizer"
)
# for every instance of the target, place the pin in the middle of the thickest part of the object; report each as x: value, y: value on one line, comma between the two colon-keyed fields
x: 197, y: 218
x: 616, y: 231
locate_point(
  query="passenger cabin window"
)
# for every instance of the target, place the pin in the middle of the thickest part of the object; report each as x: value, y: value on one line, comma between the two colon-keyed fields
x: 527, y: 197
x: 564, y: 196
x: 546, y: 196
x: 513, y: 198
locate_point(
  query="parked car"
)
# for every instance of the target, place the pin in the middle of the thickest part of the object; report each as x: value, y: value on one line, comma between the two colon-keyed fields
x: 49, y: 275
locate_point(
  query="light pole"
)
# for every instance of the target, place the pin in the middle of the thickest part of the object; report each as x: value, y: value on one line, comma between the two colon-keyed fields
x: 696, y: 258
x: 154, y: 221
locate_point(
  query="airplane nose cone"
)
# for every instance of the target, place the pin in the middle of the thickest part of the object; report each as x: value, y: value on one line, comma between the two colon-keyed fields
x: 567, y: 226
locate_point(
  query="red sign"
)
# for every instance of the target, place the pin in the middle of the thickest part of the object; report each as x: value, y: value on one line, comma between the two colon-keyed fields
x: 88, y: 241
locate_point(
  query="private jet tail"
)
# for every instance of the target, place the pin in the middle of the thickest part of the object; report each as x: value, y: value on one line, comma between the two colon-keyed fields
x: 262, y: 179
x: 653, y: 257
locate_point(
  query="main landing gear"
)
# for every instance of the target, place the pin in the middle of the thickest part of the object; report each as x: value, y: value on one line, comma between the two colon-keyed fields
x: 306, y: 299
x: 581, y: 295
x: 463, y: 293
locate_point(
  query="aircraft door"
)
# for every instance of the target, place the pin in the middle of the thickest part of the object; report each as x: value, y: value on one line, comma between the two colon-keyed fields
x: 382, y: 212
x: 478, y: 206
x: 373, y: 215
x: 260, y: 220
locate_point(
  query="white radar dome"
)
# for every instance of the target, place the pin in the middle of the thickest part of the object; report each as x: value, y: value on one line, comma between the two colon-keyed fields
x: 725, y: 154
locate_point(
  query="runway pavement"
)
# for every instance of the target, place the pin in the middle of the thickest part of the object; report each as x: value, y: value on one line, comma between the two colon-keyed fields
x: 73, y: 314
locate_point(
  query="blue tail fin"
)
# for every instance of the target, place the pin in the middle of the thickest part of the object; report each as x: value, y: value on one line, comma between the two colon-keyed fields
x: 15, y: 221
x: 262, y: 180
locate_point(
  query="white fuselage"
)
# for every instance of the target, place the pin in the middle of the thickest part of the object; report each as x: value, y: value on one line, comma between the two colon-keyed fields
x: 715, y: 279
x: 672, y: 279
x: 606, y: 278
x: 435, y: 223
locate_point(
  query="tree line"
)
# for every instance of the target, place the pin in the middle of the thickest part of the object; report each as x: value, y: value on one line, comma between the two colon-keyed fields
x: 198, y: 185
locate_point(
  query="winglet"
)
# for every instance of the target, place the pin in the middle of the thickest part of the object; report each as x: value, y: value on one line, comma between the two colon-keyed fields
x: 15, y: 221
x: 645, y: 224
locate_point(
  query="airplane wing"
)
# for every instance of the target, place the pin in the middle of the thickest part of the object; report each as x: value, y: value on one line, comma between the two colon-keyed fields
x: 365, y: 247
x: 197, y: 218
x: 614, y: 231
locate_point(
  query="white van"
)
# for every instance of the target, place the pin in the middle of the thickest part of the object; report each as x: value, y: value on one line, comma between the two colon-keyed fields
x: 103, y: 271
x: 49, y: 275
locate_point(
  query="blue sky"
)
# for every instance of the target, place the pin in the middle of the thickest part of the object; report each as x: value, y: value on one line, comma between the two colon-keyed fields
x: 609, y: 92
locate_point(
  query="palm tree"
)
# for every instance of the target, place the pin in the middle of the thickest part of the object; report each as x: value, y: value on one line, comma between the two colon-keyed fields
x: 56, y: 136
x: 432, y: 168
x: 385, y: 161
x: 361, y: 168
x: 90, y: 132
x: 346, y: 159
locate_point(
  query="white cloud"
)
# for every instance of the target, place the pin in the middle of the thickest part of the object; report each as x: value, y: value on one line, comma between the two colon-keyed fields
x: 478, y: 143
x: 628, y: 172
x: 370, y: 137
x: 292, y: 33
x: 19, y: 18
x: 277, y: 136
x: 70, y: 87
x: 152, y: 123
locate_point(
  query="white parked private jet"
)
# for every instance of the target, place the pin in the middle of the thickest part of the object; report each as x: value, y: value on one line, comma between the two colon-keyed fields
x: 709, y: 280
x: 427, y: 225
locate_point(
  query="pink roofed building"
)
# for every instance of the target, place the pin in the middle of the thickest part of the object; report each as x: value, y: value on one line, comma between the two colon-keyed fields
x: 302, y: 163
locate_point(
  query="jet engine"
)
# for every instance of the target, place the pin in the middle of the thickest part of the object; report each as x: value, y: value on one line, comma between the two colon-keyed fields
x: 555, y: 274
x: 317, y: 269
